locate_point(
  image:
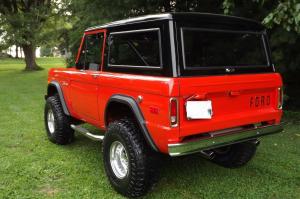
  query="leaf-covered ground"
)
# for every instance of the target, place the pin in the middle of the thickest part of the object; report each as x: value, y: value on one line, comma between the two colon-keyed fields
x: 32, y: 167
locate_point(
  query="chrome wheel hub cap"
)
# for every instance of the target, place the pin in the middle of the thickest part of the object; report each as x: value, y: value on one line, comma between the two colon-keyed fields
x: 50, y: 121
x: 118, y: 159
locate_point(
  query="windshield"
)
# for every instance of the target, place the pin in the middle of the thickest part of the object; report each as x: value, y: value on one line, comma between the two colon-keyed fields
x: 214, y: 49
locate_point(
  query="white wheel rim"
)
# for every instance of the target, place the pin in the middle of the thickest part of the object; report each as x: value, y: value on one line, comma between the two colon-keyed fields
x: 50, y: 121
x: 118, y: 159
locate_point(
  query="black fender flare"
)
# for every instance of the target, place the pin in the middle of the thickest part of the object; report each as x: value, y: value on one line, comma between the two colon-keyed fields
x: 60, y: 94
x: 132, y: 104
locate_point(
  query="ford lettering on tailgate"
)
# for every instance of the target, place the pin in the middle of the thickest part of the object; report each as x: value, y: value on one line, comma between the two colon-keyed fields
x: 260, y: 101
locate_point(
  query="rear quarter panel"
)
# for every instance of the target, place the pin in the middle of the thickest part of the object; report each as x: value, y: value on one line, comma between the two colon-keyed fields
x: 155, y: 92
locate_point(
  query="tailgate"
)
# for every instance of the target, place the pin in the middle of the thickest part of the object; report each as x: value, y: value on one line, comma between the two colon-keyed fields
x: 236, y: 100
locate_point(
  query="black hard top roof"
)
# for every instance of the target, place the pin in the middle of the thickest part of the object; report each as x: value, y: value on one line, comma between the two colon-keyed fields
x: 186, y: 16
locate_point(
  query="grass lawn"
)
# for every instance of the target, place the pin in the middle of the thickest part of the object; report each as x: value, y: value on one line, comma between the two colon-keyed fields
x: 33, y: 167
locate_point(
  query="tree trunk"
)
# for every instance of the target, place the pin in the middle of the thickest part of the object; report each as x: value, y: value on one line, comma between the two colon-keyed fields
x: 17, y: 52
x: 21, y: 52
x: 29, y: 53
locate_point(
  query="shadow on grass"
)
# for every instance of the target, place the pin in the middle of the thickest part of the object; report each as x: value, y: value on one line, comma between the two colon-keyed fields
x: 174, y: 172
x: 188, y: 176
x: 39, y: 68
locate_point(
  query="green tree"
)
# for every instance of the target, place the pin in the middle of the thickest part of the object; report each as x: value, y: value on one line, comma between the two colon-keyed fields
x: 22, y: 21
x: 283, y: 21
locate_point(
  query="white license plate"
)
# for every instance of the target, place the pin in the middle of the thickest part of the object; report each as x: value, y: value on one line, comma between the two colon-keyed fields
x: 198, y: 109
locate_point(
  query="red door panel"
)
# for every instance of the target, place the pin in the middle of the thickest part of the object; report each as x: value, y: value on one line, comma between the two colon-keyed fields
x: 84, y: 83
x: 84, y: 94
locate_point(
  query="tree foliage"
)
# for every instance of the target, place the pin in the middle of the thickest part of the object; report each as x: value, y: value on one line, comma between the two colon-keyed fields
x: 286, y: 14
x: 25, y: 22
x: 61, y: 23
x: 282, y: 18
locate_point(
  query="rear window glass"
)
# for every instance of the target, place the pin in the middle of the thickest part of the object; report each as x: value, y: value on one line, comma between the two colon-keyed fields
x: 139, y: 48
x: 204, y: 48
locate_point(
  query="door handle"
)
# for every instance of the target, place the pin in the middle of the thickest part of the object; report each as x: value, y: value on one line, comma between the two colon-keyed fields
x: 234, y: 93
x: 95, y: 75
x: 201, y: 96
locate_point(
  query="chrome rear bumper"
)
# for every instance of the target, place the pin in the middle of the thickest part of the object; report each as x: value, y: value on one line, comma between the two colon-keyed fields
x: 184, y: 148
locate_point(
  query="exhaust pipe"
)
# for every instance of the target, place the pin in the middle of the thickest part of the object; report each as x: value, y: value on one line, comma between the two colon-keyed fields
x: 207, y: 154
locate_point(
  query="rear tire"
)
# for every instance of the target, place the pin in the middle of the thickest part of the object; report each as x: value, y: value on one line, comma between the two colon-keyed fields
x: 136, y: 180
x: 57, y: 123
x: 236, y: 155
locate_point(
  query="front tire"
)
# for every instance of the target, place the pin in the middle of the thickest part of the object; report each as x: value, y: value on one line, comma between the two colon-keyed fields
x: 236, y: 155
x: 125, y: 159
x: 57, y: 123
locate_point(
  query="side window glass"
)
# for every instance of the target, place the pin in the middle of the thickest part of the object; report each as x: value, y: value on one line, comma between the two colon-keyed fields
x: 122, y: 53
x: 135, y: 49
x: 91, y: 54
x: 93, y: 58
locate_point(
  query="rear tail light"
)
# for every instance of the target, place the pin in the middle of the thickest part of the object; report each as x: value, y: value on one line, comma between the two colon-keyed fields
x: 173, y: 112
x: 280, y: 98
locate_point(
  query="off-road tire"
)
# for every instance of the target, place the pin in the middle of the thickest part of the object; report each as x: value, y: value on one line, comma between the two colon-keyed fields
x: 63, y: 133
x: 236, y: 155
x: 139, y: 178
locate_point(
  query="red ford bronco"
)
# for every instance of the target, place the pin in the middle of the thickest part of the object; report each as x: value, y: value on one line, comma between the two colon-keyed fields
x: 174, y: 83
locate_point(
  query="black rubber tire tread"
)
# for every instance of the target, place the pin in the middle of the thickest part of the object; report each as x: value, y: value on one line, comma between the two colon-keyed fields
x: 237, y: 156
x: 140, y: 177
x: 63, y: 133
